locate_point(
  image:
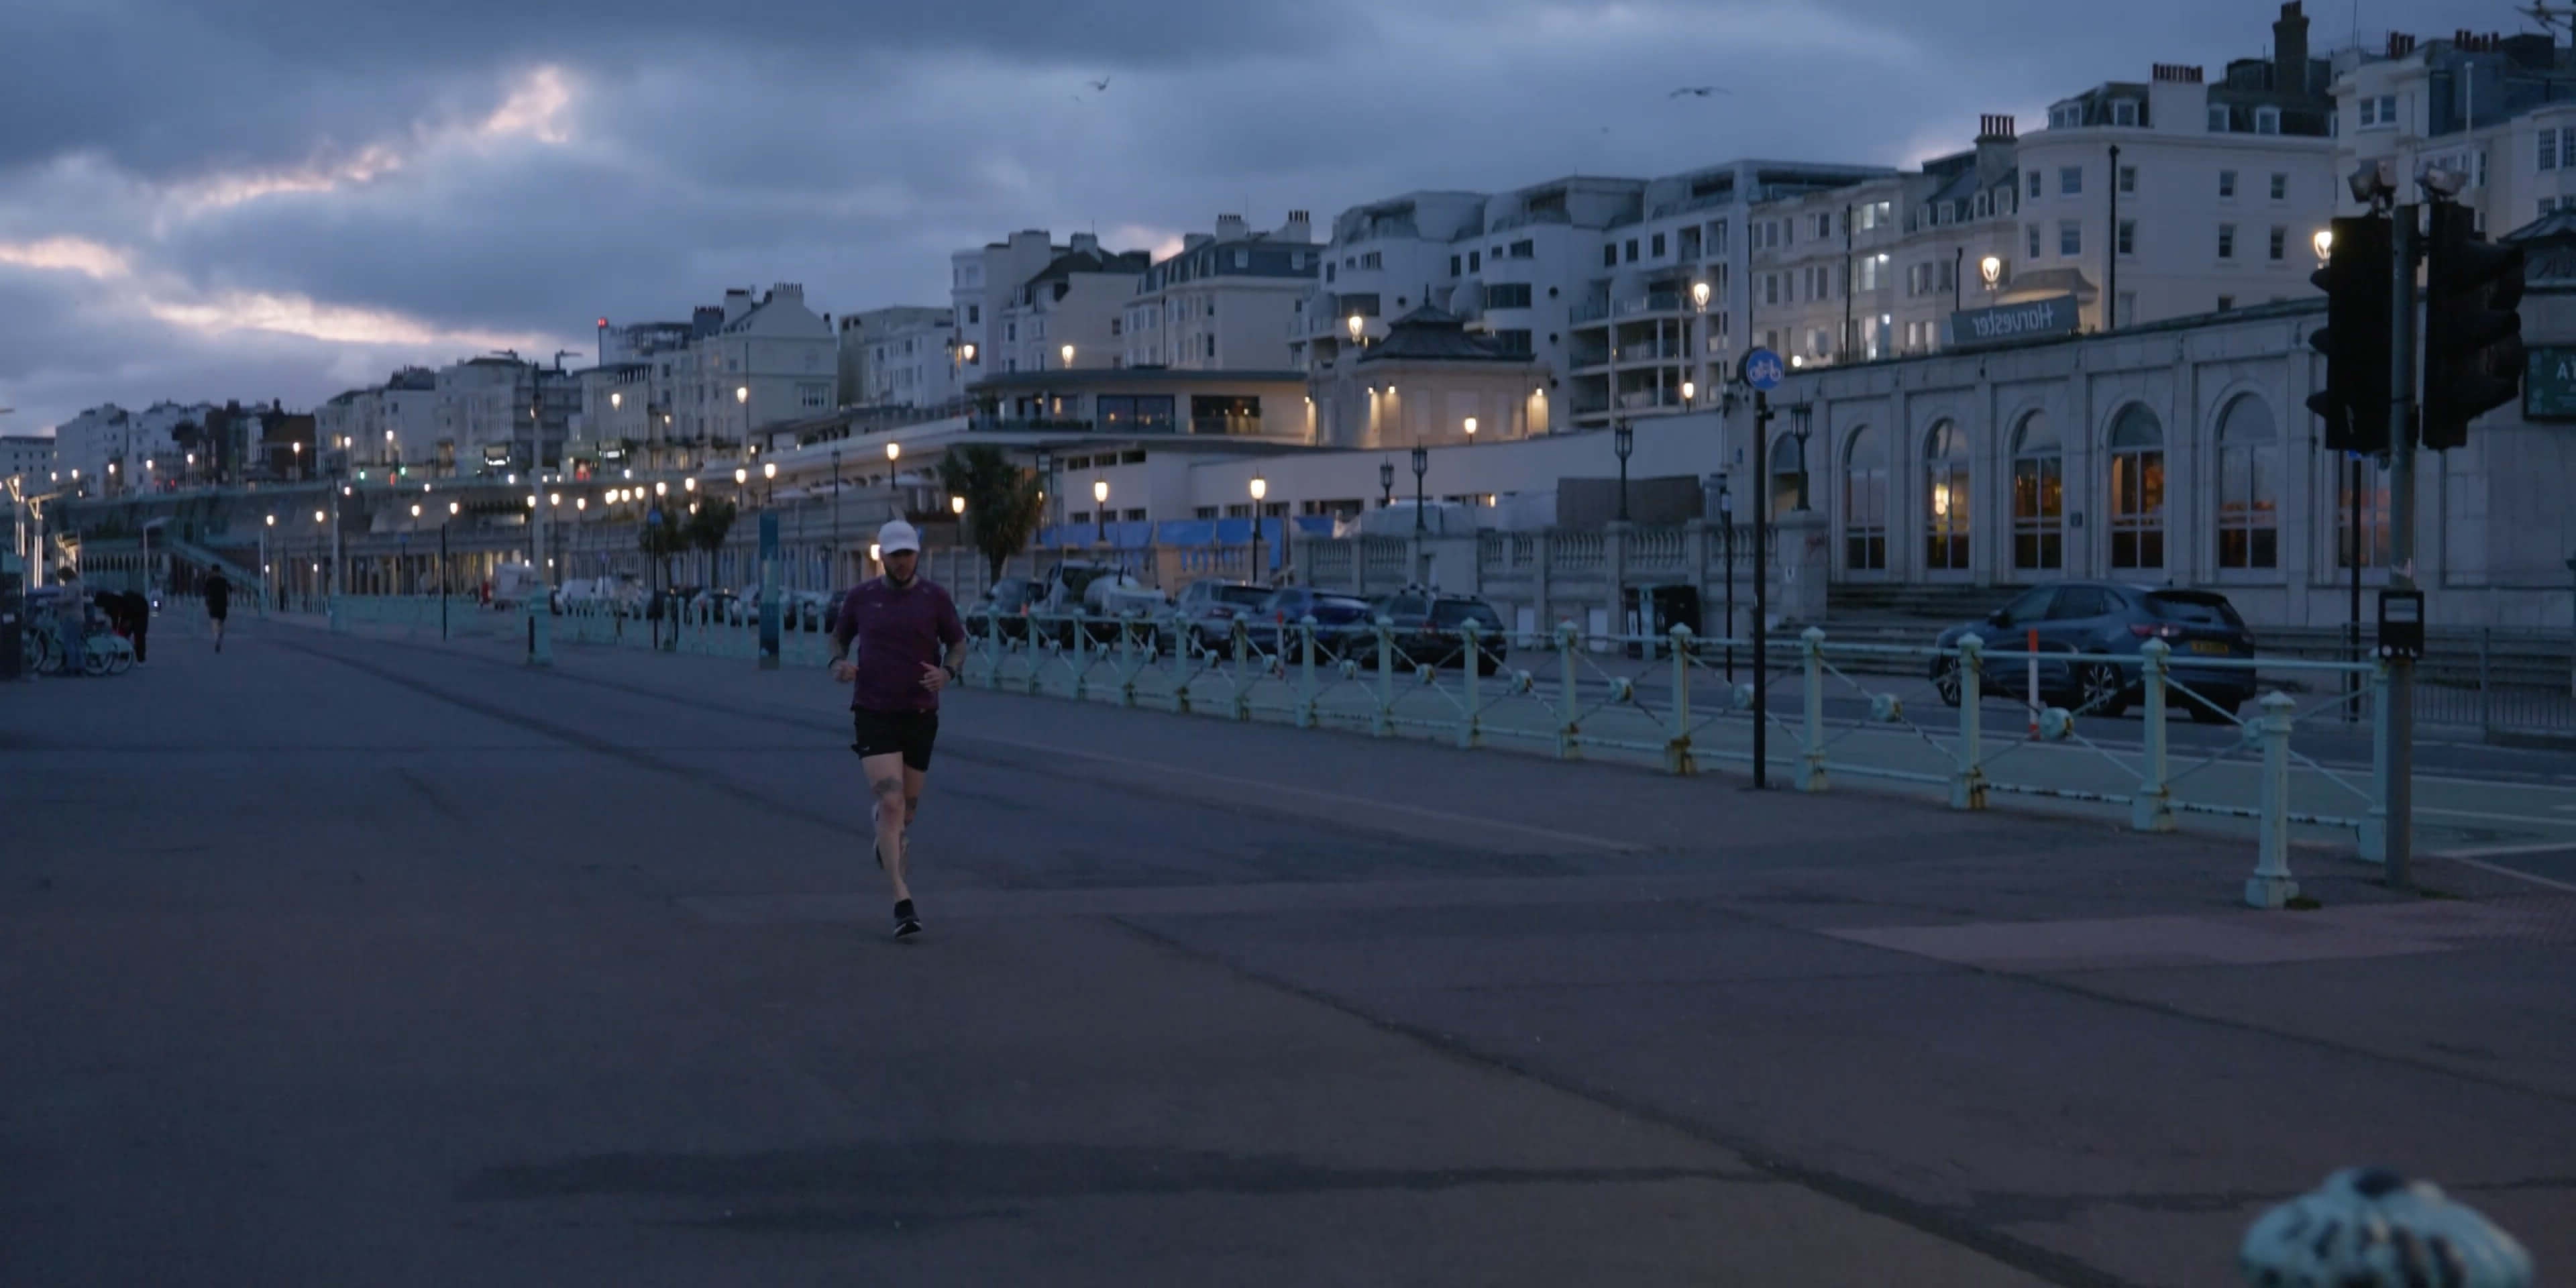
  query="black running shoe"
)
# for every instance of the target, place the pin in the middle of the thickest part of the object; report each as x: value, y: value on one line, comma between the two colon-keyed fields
x: 906, y: 925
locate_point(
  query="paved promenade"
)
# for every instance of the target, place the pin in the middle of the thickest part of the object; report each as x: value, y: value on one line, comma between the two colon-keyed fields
x: 337, y: 960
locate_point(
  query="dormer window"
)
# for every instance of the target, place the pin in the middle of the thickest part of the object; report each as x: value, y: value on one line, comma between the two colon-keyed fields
x: 2267, y: 120
x: 2217, y: 118
x: 2124, y: 112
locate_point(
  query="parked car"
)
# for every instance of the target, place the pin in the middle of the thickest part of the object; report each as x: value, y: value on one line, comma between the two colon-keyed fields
x: 1007, y: 605
x: 2114, y: 619
x: 1094, y: 596
x: 1342, y: 622
x: 1208, y: 609
x: 1430, y: 629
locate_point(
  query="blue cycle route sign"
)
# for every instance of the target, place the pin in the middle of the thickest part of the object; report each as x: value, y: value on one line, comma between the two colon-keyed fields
x: 1763, y: 370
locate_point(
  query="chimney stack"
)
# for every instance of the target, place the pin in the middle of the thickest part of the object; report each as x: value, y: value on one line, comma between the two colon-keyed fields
x: 1086, y: 243
x: 1994, y: 128
x: 1231, y: 228
x: 2290, y: 50
x: 1299, y: 228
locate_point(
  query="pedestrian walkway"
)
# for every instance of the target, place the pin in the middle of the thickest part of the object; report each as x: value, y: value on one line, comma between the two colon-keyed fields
x: 591, y: 960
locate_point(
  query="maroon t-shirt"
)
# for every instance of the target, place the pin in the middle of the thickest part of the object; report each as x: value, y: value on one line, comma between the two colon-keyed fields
x: 900, y: 631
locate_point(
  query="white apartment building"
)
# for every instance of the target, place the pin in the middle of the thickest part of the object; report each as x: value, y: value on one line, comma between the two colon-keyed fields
x: 27, y: 459
x: 1072, y: 312
x: 2220, y: 188
x: 618, y: 416
x: 981, y: 284
x: 1229, y: 300
x: 2480, y: 105
x: 767, y: 363
x: 384, y: 426
x: 904, y: 356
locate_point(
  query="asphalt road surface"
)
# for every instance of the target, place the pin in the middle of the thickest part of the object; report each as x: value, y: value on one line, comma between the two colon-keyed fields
x: 335, y: 960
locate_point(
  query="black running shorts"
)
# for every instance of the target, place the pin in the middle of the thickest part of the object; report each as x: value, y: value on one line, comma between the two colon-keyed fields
x: 888, y: 733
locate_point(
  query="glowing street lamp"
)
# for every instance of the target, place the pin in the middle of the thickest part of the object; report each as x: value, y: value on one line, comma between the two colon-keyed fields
x: 1100, y: 510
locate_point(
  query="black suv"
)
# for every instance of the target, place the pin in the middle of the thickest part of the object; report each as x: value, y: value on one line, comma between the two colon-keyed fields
x: 1430, y: 629
x: 2109, y: 618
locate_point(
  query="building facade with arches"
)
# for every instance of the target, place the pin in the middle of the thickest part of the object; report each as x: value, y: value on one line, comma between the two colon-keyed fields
x: 2181, y: 452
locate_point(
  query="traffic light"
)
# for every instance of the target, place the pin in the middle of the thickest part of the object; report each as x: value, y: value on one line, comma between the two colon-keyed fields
x: 2473, y: 353
x: 2359, y: 279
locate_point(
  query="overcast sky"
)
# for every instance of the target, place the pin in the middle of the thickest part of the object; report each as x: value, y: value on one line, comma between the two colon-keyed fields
x: 286, y: 199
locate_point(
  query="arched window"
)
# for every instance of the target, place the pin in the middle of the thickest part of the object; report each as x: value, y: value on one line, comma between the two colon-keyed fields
x: 2137, y: 489
x: 1865, y: 502
x: 1788, y: 474
x: 2039, y: 495
x: 1945, y: 498
x: 2249, y: 467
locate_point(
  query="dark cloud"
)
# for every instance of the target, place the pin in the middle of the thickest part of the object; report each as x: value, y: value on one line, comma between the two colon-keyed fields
x: 853, y: 146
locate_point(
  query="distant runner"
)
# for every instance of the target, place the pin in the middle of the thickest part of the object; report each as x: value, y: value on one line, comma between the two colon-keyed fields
x: 910, y: 646
x: 219, y: 604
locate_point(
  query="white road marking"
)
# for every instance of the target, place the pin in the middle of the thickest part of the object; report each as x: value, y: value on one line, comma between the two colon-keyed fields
x: 2500, y: 851
x: 1336, y: 800
x: 2502, y: 871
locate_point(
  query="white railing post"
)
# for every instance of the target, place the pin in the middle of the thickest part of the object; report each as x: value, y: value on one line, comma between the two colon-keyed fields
x: 1382, y: 722
x: 1968, y: 789
x: 1242, y: 668
x: 1081, y: 655
x: 1811, y: 771
x: 1567, y: 745
x: 1306, y: 673
x: 2374, y: 827
x: 2152, y: 811
x: 2271, y: 886
x: 1677, y: 749
x: 1128, y: 665
x: 1468, y: 724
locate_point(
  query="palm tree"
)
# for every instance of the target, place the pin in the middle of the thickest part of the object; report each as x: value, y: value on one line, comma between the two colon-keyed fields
x: 1002, y: 500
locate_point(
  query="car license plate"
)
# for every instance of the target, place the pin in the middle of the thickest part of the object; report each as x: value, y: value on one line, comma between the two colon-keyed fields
x: 2209, y: 646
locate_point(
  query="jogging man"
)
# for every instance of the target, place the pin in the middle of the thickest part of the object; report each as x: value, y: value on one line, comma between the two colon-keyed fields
x: 219, y: 603
x: 910, y: 646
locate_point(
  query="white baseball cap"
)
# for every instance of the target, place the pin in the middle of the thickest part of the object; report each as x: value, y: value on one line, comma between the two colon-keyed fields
x: 897, y: 536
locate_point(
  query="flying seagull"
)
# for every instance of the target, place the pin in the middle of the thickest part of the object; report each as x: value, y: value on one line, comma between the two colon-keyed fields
x: 1699, y: 91
x: 1101, y: 84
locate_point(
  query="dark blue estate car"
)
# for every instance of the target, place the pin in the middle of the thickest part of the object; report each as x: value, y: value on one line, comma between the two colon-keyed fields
x: 2113, y: 622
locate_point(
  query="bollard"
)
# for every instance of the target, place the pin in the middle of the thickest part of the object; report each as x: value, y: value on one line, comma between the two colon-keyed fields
x: 1306, y: 673
x: 2374, y: 827
x: 2152, y: 810
x: 1968, y: 790
x: 1677, y: 750
x: 541, y: 644
x: 2271, y: 886
x: 1568, y: 745
x: 2368, y: 1227
x: 1468, y: 727
x: 1811, y: 768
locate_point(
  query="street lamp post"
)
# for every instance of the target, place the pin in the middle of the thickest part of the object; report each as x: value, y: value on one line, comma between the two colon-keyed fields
x: 1421, y: 466
x: 1260, y: 488
x: 1359, y: 331
x: 1992, y: 269
x: 1726, y: 542
x: 836, y: 517
x: 1100, y: 510
x: 768, y: 484
x: 1623, y: 440
x: 443, y: 574
x: 1386, y: 484
x: 1801, y: 420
